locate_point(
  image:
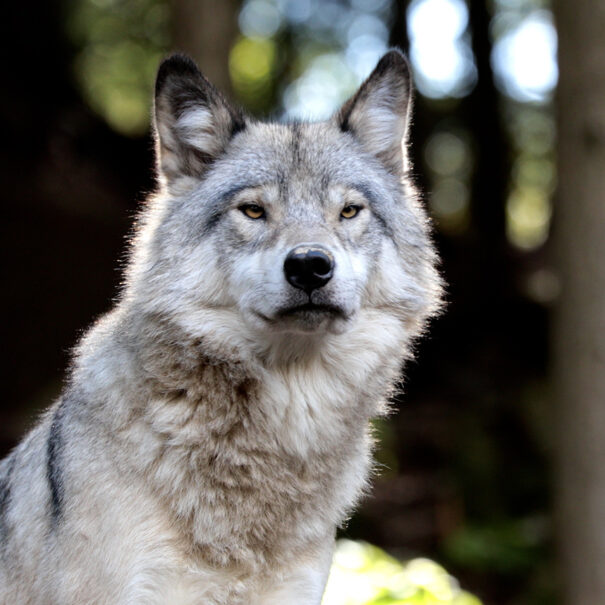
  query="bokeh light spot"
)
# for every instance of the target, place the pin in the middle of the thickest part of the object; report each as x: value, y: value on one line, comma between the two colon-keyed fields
x: 251, y: 63
x: 524, y: 59
x: 439, y: 47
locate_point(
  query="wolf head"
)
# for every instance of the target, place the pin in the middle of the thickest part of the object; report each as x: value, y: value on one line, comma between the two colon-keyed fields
x: 305, y: 228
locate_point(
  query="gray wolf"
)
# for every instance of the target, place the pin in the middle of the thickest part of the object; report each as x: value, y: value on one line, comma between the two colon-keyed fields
x: 214, y: 429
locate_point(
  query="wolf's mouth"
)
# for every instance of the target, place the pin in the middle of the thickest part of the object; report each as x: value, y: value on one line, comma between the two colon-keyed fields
x: 311, y: 308
x: 309, y: 317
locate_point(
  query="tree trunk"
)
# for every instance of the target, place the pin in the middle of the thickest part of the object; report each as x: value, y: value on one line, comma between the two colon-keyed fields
x: 205, y: 30
x: 579, y: 320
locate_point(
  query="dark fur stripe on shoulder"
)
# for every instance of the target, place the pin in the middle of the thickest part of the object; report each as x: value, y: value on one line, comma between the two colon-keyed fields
x: 53, y: 462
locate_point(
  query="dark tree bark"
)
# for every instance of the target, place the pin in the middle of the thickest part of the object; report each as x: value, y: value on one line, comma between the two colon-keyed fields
x: 491, y: 157
x: 578, y: 344
x: 399, y: 30
x: 205, y: 30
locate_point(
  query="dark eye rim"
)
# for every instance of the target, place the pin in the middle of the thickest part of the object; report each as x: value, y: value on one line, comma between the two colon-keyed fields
x: 254, y: 208
x: 357, y: 207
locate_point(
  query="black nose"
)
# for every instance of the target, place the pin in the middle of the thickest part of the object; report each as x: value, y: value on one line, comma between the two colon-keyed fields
x: 309, y: 267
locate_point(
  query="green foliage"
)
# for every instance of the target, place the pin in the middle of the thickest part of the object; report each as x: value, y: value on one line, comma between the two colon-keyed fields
x: 510, y: 547
x: 252, y: 64
x: 363, y: 574
x: 121, y: 44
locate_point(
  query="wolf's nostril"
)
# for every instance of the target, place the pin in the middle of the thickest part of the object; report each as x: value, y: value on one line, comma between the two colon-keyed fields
x: 309, y: 267
x: 319, y: 263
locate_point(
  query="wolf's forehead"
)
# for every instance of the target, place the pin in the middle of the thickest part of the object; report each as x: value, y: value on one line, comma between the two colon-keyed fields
x: 313, y: 149
x: 296, y: 165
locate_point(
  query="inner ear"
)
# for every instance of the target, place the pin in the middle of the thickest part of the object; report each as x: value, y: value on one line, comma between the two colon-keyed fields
x: 193, y: 122
x: 378, y: 114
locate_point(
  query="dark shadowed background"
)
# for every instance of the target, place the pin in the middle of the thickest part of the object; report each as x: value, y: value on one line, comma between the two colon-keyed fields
x: 502, y: 412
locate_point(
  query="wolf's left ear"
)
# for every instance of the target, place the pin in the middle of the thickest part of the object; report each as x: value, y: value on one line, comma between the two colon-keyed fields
x: 378, y: 114
x: 193, y: 122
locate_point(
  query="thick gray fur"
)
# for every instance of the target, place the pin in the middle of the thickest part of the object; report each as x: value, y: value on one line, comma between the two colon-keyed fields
x: 214, y: 430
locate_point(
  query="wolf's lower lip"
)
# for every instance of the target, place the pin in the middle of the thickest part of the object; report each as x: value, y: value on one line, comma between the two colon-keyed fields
x: 311, y: 308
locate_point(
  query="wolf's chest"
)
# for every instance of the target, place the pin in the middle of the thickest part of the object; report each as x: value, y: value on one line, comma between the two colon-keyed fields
x: 269, y: 507
x: 283, y: 465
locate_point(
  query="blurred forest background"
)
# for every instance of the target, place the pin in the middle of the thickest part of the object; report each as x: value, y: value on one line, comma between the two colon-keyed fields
x: 500, y: 423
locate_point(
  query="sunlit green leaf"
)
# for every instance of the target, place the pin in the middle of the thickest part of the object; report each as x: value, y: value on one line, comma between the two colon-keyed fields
x: 363, y: 574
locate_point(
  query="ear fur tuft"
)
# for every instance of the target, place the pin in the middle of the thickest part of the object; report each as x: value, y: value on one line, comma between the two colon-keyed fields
x: 193, y: 122
x: 378, y: 114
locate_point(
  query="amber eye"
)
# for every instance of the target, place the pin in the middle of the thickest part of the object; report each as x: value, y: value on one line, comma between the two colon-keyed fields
x: 350, y: 211
x: 253, y: 211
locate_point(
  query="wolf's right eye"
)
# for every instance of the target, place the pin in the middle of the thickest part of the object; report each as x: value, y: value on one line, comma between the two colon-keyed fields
x: 253, y: 211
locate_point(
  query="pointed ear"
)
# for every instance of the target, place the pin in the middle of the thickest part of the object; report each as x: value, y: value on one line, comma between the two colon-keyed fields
x: 378, y: 114
x: 193, y: 122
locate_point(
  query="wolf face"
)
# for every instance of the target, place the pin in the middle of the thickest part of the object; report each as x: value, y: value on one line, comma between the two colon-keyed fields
x: 294, y: 228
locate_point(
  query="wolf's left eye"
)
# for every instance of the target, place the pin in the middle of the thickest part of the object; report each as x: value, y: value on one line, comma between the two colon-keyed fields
x: 350, y: 211
x: 253, y: 211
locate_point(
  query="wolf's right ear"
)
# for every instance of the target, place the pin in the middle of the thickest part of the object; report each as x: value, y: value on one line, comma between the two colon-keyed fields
x: 193, y: 122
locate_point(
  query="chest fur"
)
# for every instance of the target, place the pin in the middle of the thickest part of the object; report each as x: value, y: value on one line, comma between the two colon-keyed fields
x: 254, y: 468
